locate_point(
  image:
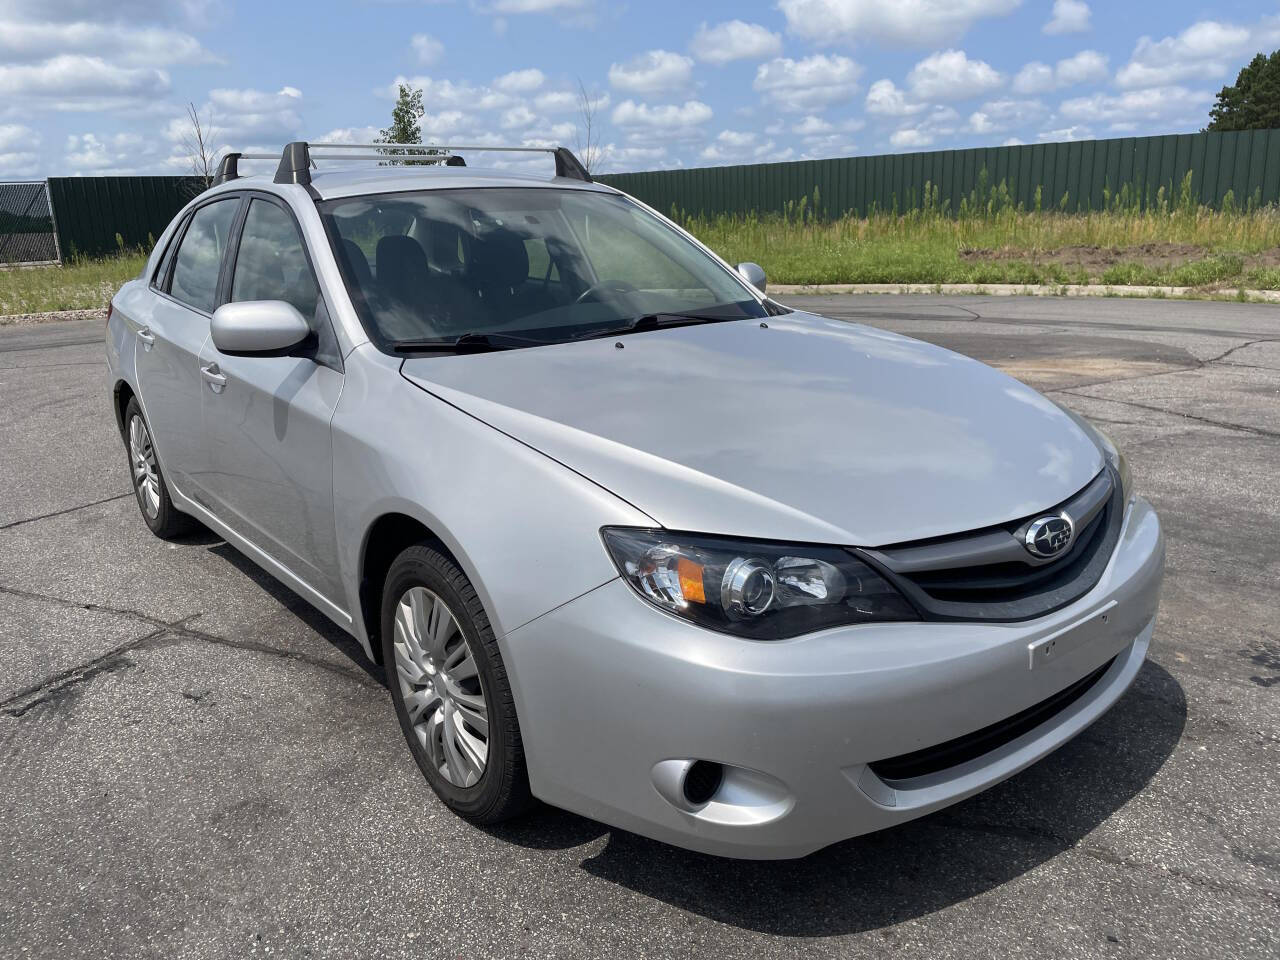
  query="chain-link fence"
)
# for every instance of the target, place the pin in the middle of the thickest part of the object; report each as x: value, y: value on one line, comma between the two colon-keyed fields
x: 27, y: 232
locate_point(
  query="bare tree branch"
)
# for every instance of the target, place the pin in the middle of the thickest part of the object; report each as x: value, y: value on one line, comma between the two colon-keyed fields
x: 588, y: 147
x: 198, y: 144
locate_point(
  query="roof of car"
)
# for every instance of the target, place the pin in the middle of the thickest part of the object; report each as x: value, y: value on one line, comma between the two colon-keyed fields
x: 334, y: 181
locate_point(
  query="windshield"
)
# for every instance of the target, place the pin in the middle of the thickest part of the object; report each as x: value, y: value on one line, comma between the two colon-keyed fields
x: 542, y: 264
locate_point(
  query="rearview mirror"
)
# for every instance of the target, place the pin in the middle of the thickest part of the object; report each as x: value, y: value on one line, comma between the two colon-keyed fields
x: 753, y: 273
x: 257, y: 326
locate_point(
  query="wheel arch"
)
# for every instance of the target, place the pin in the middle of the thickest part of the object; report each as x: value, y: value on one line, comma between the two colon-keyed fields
x: 387, y: 536
x: 121, y: 394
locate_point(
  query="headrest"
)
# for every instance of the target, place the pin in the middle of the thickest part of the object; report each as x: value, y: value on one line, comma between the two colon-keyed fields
x: 400, y: 258
x: 357, y: 263
x: 444, y: 246
x: 499, y: 260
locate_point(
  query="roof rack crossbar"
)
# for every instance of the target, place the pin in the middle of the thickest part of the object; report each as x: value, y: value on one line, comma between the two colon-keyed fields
x: 297, y: 160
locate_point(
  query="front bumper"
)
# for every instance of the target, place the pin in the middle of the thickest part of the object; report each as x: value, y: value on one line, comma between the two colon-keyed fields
x: 609, y: 690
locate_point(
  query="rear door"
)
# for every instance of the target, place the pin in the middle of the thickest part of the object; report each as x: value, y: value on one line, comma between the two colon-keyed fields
x: 267, y: 417
x: 169, y: 339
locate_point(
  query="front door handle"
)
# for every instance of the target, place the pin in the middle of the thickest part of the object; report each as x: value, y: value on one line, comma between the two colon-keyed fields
x: 147, y: 337
x: 217, y: 379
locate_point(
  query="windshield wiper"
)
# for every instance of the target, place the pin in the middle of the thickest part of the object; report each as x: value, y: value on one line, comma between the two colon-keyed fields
x: 467, y: 343
x: 654, y: 321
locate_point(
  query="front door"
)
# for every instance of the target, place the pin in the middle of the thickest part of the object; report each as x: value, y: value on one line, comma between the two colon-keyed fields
x: 170, y: 336
x: 267, y: 418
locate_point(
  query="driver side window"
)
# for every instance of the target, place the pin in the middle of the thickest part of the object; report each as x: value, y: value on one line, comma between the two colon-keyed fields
x: 271, y: 264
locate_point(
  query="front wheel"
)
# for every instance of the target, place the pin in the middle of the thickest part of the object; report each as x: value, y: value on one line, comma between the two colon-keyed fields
x: 450, y: 688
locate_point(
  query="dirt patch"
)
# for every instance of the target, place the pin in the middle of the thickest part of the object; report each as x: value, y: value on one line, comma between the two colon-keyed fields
x: 1096, y: 259
x: 51, y: 317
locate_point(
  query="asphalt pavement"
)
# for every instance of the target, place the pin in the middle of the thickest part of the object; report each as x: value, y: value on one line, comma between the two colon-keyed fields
x: 194, y: 763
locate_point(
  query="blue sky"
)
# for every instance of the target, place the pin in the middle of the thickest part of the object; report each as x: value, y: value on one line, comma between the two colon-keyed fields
x: 99, y: 86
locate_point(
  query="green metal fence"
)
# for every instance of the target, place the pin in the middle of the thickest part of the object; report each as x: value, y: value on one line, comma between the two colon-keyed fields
x: 97, y: 216
x: 1241, y: 168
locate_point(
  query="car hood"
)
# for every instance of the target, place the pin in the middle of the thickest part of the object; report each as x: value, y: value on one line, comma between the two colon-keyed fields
x: 805, y: 429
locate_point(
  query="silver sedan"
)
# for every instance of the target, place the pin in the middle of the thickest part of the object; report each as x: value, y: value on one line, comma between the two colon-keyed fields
x: 627, y: 535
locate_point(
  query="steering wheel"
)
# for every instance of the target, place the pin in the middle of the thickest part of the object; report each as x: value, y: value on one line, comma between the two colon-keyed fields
x: 612, y: 286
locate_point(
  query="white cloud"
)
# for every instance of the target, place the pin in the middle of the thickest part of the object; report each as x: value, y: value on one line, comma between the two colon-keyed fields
x: 812, y: 126
x: 887, y: 100
x: 1069, y: 16
x: 190, y: 12
x: 1204, y: 49
x: 518, y: 117
x: 520, y: 81
x: 998, y: 116
x: 448, y: 95
x: 940, y: 122
x: 910, y: 137
x: 951, y: 75
x: 24, y: 41
x: 901, y: 22
x: 634, y: 156
x: 243, y: 117
x: 671, y: 119
x: 16, y: 135
x: 426, y: 48
x: 658, y: 71
x: 1087, y: 66
x: 732, y: 146
x: 349, y: 135
x: 537, y: 6
x: 734, y: 40
x: 77, y: 82
x: 807, y: 85
x: 1147, y: 106
x: 1065, y: 134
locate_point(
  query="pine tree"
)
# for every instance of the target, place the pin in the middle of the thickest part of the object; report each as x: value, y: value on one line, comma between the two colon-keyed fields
x: 1253, y: 102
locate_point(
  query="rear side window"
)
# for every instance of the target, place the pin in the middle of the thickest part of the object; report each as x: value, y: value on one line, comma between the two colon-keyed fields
x: 271, y: 263
x: 162, y: 272
x: 199, y: 258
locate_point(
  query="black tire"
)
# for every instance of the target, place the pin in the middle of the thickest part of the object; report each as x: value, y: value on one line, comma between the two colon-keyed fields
x: 167, y: 522
x: 502, y: 791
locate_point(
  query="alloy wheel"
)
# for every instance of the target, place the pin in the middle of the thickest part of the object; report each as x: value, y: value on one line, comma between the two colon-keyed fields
x: 440, y: 685
x: 146, y: 474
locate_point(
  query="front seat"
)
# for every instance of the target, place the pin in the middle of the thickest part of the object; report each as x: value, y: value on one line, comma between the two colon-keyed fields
x: 419, y: 303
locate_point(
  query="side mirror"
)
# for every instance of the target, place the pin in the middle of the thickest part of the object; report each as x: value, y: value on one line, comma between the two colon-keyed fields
x: 753, y: 273
x: 257, y: 326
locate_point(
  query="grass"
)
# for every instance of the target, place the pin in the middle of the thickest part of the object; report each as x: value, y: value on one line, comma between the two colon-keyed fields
x: 990, y: 240
x: 78, y: 285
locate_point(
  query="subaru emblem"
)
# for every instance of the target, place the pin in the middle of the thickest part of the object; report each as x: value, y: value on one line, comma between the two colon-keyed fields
x: 1049, y: 536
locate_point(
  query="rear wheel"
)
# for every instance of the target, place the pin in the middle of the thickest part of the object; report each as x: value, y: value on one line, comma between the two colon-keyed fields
x: 148, y: 479
x: 450, y: 688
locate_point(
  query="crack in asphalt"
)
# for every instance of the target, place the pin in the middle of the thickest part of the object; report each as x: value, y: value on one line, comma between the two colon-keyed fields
x: 1256, y: 431
x: 63, y: 512
x: 166, y: 632
x: 22, y: 347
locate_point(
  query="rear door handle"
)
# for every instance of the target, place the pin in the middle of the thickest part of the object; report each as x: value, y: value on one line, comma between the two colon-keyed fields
x: 217, y: 379
x: 146, y: 336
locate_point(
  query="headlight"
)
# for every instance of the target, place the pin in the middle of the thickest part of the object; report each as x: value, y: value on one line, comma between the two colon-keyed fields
x: 1111, y: 453
x: 764, y: 591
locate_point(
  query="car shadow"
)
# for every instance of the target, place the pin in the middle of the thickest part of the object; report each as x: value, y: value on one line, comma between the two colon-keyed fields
x: 342, y: 641
x: 914, y: 869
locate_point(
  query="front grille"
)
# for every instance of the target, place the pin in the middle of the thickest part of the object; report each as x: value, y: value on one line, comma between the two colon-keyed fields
x: 989, y: 575
x: 920, y: 763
